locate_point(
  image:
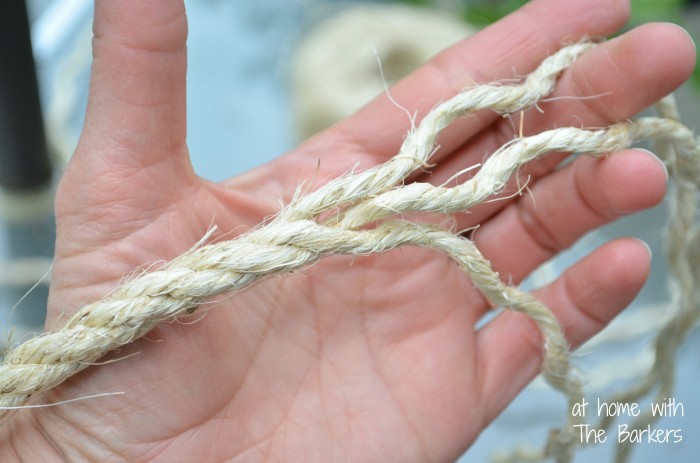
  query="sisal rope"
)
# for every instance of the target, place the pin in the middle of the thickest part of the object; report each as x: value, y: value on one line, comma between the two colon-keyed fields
x: 305, y: 232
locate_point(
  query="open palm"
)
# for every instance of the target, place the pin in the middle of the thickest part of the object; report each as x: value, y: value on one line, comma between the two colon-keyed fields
x: 364, y: 359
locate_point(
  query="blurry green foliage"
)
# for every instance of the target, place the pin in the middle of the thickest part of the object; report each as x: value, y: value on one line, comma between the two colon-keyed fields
x: 484, y: 12
x: 657, y: 10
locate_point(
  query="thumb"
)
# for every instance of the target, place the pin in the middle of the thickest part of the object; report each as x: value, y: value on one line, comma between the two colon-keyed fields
x: 132, y: 157
x: 136, y: 107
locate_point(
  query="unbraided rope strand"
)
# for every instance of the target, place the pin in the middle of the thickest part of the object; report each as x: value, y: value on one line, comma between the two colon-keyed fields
x: 678, y: 148
x: 280, y: 247
x: 140, y: 304
x: 493, y: 176
x: 295, y: 239
x: 417, y: 147
x: 419, y: 143
x: 132, y: 311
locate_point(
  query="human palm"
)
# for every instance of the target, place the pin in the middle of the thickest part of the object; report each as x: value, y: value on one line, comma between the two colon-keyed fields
x: 361, y: 359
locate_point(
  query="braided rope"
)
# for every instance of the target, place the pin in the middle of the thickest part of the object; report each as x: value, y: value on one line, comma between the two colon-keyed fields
x: 300, y: 236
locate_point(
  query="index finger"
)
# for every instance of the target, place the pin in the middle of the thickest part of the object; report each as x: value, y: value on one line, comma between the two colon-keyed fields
x: 512, y: 47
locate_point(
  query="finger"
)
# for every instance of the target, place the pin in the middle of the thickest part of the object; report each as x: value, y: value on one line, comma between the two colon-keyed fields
x: 563, y: 206
x: 513, y: 46
x: 136, y: 106
x: 584, y: 299
x: 613, y: 82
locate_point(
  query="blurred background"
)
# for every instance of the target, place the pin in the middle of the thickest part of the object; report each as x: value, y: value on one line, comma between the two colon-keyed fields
x: 291, y: 68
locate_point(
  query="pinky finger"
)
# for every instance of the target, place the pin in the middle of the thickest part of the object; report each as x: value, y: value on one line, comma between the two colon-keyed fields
x: 584, y: 300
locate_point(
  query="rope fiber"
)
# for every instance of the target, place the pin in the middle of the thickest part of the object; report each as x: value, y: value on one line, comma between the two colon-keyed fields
x: 304, y: 232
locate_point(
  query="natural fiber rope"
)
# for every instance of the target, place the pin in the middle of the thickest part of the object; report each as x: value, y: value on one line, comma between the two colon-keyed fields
x: 679, y: 150
x: 683, y: 255
x: 305, y: 232
x: 420, y: 141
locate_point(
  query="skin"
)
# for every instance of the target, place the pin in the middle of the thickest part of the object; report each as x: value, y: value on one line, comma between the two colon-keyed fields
x: 374, y: 361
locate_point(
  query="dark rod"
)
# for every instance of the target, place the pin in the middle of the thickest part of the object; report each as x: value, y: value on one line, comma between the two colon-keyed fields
x: 24, y: 160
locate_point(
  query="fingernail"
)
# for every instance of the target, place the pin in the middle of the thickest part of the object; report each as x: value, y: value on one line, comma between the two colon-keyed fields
x: 683, y: 29
x: 646, y: 245
x: 656, y: 158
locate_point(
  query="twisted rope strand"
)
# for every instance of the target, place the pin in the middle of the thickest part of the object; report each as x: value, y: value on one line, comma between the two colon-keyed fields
x: 683, y: 252
x: 419, y: 143
x: 680, y: 150
x: 138, y: 306
x: 295, y: 239
x: 493, y: 176
x: 280, y: 247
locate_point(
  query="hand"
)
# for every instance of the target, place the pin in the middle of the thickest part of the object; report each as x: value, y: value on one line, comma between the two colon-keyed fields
x: 374, y: 361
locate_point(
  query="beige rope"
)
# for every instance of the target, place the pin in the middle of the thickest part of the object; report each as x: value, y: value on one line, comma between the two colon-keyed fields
x: 305, y: 232
x: 678, y: 148
x: 420, y: 142
x: 683, y: 243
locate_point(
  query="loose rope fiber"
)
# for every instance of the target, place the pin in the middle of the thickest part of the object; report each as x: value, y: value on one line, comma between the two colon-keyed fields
x: 330, y: 221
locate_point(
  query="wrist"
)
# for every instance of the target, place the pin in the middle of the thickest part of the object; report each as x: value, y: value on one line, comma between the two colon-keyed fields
x: 23, y: 438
